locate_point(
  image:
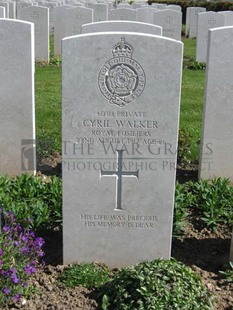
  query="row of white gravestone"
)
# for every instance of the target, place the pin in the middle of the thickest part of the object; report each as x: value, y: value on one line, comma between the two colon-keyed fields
x: 216, y: 159
x: 119, y: 134
x: 206, y: 21
x: 69, y: 21
x: 17, y: 117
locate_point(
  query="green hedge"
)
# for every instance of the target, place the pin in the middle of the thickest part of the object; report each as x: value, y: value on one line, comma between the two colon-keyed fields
x: 210, y: 6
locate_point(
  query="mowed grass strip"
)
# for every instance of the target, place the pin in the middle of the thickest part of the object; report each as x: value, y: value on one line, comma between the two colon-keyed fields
x: 48, y: 105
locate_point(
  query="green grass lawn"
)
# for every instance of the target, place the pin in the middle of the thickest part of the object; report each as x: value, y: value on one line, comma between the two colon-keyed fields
x: 48, y: 101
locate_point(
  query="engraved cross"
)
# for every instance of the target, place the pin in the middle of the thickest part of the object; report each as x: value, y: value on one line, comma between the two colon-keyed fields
x: 211, y: 21
x: 35, y: 15
x: 168, y: 20
x: 119, y: 173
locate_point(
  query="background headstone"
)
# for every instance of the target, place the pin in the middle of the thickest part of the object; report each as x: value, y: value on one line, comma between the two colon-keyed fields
x: 59, y: 26
x: 146, y: 15
x: 194, y: 11
x: 100, y: 12
x: 17, y: 117
x: 75, y: 18
x: 216, y: 159
x: 2, y: 12
x: 40, y: 17
x: 122, y: 14
x: 116, y: 25
x: 206, y: 21
x: 120, y: 110
x: 170, y: 21
x: 6, y: 6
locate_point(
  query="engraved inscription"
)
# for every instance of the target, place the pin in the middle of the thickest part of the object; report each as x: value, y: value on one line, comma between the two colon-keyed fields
x: 121, y: 79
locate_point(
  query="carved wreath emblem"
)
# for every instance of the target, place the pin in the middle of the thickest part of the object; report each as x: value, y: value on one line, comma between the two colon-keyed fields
x: 121, y: 79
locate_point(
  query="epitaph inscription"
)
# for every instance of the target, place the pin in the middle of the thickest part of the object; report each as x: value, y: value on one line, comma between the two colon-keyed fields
x: 121, y: 79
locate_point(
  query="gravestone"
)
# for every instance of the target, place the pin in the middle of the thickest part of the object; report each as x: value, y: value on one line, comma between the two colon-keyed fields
x: 6, y: 6
x: 40, y: 17
x: 20, y: 6
x: 126, y: 26
x: 191, y: 23
x: 217, y: 139
x: 146, y: 15
x: 2, y: 12
x: 174, y: 7
x: 59, y: 26
x: 75, y: 18
x: 120, y: 128
x: 51, y: 6
x: 228, y: 17
x: 206, y: 21
x: 17, y: 117
x: 122, y: 14
x: 170, y: 21
x: 12, y: 10
x: 100, y: 12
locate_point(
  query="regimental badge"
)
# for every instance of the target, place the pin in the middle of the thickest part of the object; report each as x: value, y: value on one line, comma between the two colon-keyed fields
x: 121, y: 79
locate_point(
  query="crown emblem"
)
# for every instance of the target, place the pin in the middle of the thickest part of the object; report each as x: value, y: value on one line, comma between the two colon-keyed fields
x: 122, y: 49
x: 121, y: 79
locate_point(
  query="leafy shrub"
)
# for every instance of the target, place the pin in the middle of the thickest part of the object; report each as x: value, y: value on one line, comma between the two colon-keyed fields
x: 228, y: 274
x: 190, y: 64
x: 88, y: 275
x: 184, y: 147
x: 214, y: 201
x: 20, y: 254
x: 183, y: 200
x: 35, y: 201
x: 156, y: 285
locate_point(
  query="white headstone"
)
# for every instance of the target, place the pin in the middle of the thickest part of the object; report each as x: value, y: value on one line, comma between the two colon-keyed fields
x: 118, y: 25
x: 120, y: 127
x: 59, y: 27
x: 51, y: 6
x: 146, y: 15
x: 17, y: 117
x: 217, y: 139
x: 170, y: 21
x: 2, y: 12
x: 174, y: 7
x: 228, y: 17
x: 100, y: 12
x: 122, y: 14
x: 75, y: 18
x: 20, y: 6
x: 194, y: 11
x: 206, y: 21
x: 6, y: 6
x: 40, y: 17
x: 12, y: 10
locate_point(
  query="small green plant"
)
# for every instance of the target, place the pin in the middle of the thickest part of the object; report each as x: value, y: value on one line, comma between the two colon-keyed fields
x: 20, y: 255
x: 88, y: 275
x: 183, y: 200
x: 228, y: 274
x: 190, y: 64
x: 156, y: 285
x: 214, y: 201
x: 184, y: 156
x: 35, y: 201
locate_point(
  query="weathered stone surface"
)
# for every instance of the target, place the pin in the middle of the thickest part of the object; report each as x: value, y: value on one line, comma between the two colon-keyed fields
x: 17, y: 117
x: 120, y: 128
